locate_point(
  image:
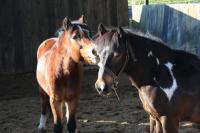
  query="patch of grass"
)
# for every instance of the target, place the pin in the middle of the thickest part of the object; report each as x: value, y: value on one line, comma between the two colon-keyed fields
x: 139, y: 2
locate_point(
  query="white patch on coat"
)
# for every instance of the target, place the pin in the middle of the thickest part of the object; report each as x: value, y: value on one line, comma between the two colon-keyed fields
x: 106, y: 49
x: 170, y: 91
x: 157, y: 60
x: 43, y: 120
x: 151, y: 54
x: 67, y: 112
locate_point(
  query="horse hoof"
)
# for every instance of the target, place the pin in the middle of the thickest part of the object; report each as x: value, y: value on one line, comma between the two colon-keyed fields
x: 41, y: 130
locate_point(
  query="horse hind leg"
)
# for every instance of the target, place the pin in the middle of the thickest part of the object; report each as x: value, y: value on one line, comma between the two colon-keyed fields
x: 71, y: 107
x: 44, y: 111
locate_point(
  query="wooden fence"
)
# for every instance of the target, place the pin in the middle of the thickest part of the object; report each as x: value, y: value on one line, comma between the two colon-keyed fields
x: 176, y: 24
x: 24, y: 24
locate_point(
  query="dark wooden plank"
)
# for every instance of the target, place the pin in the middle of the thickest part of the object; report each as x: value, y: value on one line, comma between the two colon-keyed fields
x: 122, y: 12
x: 26, y: 24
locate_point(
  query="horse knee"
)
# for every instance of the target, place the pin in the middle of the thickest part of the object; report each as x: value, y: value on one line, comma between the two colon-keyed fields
x: 158, y: 127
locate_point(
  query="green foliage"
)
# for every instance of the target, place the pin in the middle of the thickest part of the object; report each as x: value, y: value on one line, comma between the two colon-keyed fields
x: 139, y: 2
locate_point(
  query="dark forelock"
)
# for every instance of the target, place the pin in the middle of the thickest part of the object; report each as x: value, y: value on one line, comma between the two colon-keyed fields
x: 107, y: 39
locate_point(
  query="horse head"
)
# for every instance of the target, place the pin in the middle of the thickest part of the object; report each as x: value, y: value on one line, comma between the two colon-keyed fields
x: 76, y: 35
x: 110, y: 46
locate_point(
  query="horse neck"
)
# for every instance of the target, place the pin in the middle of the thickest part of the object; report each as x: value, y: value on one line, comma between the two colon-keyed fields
x: 135, y: 68
x: 69, y: 46
x: 136, y: 46
x: 148, y: 54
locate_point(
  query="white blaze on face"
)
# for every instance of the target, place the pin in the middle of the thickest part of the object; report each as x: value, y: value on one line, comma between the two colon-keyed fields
x: 43, y: 120
x: 100, y: 82
x: 170, y: 91
x: 101, y: 64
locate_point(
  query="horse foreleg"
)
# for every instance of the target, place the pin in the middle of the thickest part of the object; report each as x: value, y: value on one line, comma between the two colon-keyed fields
x: 56, y: 107
x: 168, y: 125
x: 152, y: 124
x: 71, y: 107
x: 44, y: 110
x: 158, y: 127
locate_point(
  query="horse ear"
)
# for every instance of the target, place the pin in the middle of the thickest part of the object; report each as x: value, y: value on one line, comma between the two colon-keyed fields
x: 82, y: 19
x: 120, y: 31
x: 101, y: 29
x: 66, y: 23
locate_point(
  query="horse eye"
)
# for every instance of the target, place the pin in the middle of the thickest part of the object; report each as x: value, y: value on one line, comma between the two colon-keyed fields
x: 94, y: 52
x: 116, y: 54
x: 77, y: 37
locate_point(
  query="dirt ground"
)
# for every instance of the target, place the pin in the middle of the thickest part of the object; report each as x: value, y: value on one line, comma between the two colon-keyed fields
x: 20, y: 108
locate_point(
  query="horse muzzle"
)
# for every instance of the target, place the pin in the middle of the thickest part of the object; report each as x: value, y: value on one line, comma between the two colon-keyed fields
x: 102, y: 88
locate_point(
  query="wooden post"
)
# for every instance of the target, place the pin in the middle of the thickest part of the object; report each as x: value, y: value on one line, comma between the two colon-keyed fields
x: 146, y: 2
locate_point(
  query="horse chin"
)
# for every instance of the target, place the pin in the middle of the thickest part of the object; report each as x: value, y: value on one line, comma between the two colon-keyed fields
x: 106, y: 94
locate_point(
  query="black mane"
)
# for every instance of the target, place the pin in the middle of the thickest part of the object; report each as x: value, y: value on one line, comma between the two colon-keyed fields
x: 61, y: 29
x: 108, y: 39
x: 147, y: 42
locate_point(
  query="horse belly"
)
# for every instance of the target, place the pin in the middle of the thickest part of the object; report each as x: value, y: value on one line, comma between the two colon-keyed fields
x: 192, y: 112
x: 196, y: 114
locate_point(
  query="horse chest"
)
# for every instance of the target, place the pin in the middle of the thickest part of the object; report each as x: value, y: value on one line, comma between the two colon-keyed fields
x: 147, y: 104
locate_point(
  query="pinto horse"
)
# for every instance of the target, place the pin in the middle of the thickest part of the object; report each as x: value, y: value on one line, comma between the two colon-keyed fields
x: 167, y: 80
x: 59, y: 73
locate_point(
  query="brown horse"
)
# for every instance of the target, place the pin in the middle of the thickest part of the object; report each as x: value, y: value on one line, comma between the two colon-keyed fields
x: 167, y: 80
x: 59, y: 73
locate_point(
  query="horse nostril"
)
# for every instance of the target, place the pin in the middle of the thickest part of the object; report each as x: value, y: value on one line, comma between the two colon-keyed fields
x: 98, y: 88
x: 105, y: 89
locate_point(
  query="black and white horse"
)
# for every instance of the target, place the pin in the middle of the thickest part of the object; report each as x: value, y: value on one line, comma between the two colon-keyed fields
x: 168, y: 81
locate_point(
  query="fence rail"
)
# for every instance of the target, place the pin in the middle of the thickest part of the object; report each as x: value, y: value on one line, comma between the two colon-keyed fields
x: 176, y: 24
